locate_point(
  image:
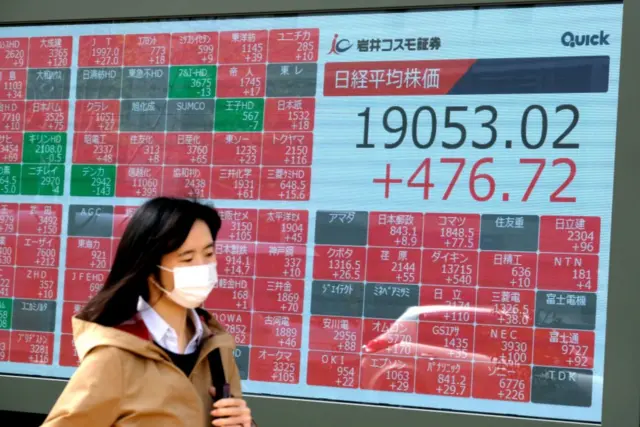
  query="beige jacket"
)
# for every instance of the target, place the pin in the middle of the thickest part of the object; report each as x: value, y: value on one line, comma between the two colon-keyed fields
x: 125, y: 380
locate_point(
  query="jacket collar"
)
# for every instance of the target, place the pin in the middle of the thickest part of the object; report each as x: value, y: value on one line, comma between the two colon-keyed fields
x: 163, y: 334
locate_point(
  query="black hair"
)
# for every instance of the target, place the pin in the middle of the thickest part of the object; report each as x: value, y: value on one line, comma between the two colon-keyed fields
x: 158, y: 227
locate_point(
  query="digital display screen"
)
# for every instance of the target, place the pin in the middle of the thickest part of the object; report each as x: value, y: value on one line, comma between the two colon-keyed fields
x: 416, y: 205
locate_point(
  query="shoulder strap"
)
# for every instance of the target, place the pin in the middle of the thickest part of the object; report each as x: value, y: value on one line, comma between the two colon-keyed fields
x: 218, y: 378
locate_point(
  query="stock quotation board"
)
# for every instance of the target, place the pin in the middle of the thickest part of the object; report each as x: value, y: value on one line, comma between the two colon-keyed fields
x: 416, y: 205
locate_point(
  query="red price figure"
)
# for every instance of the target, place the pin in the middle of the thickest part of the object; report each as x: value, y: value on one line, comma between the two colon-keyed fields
x: 287, y: 149
x: 239, y: 225
x: 334, y: 369
x: 275, y: 365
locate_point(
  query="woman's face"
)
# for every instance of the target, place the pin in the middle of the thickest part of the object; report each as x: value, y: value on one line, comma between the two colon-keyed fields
x: 197, y: 249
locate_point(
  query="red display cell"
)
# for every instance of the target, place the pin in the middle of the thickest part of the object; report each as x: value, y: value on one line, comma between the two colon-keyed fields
x: 50, y: 52
x: 12, y: 116
x: 443, y: 378
x: 147, y: 49
x: 513, y: 270
x: 568, y: 272
x: 33, y: 251
x: 141, y: 148
x: 10, y: 147
x: 276, y: 366
x: 279, y: 260
x: 237, y: 324
x: 570, y: 234
x: 190, y: 149
x: 231, y: 293
x: 36, y: 283
x: 395, y: 229
x: 122, y: 215
x: 506, y: 307
x: 88, y: 253
x: 561, y: 348
x: 40, y: 219
x: 194, y: 48
x: 388, y: 373
x: 448, y: 304
x: 449, y: 267
x: 138, y: 181
x: 283, y: 226
x: 294, y: 45
x: 502, y: 382
x: 13, y: 84
x: 290, y: 114
x: 82, y: 285
x: 511, y: 346
x: 287, y: 149
x: 236, y: 259
x: 243, y: 47
x: 292, y: 184
x: 342, y: 334
x: 5, y: 343
x: 31, y: 347
x: 333, y: 369
x: 8, y: 249
x: 237, y: 149
x: 238, y: 225
x: 68, y: 353
x: 95, y: 148
x: 451, y: 231
x: 47, y: 116
x: 101, y: 51
x: 240, y: 81
x: 97, y: 116
x: 445, y: 341
x: 398, y: 338
x: 235, y: 183
x: 277, y: 330
x: 13, y: 52
x: 186, y: 181
x: 9, y: 218
x: 69, y: 310
x: 279, y: 296
x: 393, y: 265
x: 339, y: 263
x: 7, y: 282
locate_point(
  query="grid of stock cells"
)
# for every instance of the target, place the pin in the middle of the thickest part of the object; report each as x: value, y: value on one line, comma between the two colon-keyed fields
x: 464, y: 305
x: 223, y: 115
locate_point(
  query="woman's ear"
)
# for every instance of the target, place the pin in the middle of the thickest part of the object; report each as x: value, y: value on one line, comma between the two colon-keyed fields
x: 154, y: 279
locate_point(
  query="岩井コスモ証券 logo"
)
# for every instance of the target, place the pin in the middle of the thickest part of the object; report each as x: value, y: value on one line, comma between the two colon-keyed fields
x: 341, y: 45
x: 570, y: 39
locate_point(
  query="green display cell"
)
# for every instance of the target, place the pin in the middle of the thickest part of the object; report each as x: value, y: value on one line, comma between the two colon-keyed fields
x: 42, y: 180
x: 239, y: 115
x: 93, y: 181
x: 10, y: 179
x: 44, y: 147
x: 6, y: 313
x: 192, y: 82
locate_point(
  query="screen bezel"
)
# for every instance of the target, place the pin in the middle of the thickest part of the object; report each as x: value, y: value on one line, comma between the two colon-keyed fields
x: 621, y: 406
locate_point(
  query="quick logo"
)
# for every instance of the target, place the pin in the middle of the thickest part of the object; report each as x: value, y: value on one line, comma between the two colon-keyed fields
x: 570, y: 39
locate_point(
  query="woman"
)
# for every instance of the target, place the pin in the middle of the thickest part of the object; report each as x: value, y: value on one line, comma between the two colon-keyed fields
x: 144, y: 343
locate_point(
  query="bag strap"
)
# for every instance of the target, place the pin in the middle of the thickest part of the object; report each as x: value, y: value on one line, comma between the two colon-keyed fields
x: 218, y: 379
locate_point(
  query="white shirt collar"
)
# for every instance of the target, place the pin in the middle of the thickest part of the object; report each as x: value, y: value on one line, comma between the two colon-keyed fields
x: 163, y: 334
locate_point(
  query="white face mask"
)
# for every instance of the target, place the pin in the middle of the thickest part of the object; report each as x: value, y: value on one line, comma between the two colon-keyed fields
x: 192, y: 284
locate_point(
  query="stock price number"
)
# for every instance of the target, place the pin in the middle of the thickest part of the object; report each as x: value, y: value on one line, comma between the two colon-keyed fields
x: 480, y: 181
x: 422, y: 125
